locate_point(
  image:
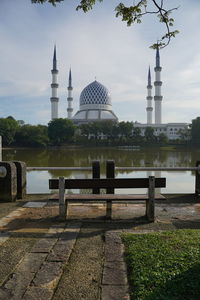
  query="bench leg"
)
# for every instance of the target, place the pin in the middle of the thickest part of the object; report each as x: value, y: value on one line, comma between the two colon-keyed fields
x: 109, y: 210
x: 62, y: 205
x: 150, y: 203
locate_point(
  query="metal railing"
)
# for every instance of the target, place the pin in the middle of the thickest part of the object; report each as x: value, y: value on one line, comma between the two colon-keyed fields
x: 158, y: 168
x: 117, y: 168
x: 59, y: 168
x: 111, y: 168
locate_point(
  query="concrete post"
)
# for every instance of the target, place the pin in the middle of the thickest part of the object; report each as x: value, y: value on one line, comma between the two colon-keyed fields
x: 21, y: 179
x: 63, y: 206
x: 150, y: 203
x: 8, y: 184
x: 110, y: 173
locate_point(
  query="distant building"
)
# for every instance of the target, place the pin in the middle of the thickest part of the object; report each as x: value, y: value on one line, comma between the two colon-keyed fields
x: 171, y: 130
x: 95, y: 100
x: 95, y: 104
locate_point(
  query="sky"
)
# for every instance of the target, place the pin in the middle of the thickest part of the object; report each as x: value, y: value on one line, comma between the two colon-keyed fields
x: 96, y: 45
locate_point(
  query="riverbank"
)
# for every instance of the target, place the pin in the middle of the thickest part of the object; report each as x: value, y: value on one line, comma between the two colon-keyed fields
x: 168, y: 147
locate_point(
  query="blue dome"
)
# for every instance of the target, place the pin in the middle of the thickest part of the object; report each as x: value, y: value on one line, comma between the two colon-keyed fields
x: 95, y: 93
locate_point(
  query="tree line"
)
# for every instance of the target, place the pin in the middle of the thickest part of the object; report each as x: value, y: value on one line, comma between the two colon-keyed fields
x: 62, y: 131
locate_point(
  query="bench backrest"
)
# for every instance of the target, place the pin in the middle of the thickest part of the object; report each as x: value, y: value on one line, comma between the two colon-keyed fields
x: 107, y: 183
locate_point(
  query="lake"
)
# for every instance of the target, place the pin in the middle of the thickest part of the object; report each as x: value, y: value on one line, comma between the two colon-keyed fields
x: 177, y: 182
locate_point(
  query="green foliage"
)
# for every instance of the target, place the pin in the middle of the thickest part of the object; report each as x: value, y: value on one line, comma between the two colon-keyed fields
x: 133, y: 14
x: 8, y: 127
x: 107, y: 132
x: 162, y: 138
x: 61, y: 131
x: 163, y: 266
x: 86, y: 5
x: 53, y: 2
x: 185, y: 135
x: 149, y: 135
x: 32, y: 136
x: 125, y: 129
x: 195, y: 131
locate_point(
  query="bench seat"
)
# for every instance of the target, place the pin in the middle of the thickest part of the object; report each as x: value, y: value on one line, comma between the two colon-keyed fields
x: 110, y: 184
x: 106, y: 197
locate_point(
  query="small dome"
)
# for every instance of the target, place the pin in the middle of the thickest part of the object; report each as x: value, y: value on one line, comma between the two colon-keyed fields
x: 95, y: 93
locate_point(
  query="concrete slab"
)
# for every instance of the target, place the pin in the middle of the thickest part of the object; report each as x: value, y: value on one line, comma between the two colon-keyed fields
x: 48, y: 275
x: 34, y: 204
x: 34, y: 293
x: 113, y: 292
x: 44, y: 245
x: 114, y: 273
x: 17, y: 283
x: 113, y: 248
x: 32, y: 262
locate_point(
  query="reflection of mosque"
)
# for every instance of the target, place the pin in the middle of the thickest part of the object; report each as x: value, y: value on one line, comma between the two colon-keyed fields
x: 124, y: 158
x: 83, y: 158
x: 169, y: 159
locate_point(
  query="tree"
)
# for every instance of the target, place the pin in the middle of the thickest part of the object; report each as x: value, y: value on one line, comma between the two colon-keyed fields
x: 149, y: 134
x: 195, y: 132
x: 125, y: 129
x: 185, y: 134
x: 162, y: 138
x: 61, y: 131
x: 85, y: 130
x: 8, y: 128
x: 32, y: 136
x: 133, y: 14
x: 108, y: 128
x: 137, y: 137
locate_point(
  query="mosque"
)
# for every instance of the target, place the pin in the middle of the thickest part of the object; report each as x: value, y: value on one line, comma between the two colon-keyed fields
x: 95, y: 104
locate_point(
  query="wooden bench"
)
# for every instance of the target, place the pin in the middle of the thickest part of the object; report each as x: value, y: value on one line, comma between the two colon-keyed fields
x: 109, y: 184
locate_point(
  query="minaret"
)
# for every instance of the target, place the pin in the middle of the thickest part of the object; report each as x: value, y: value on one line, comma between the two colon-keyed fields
x: 69, y: 98
x: 158, y: 84
x: 54, y: 86
x: 149, y: 98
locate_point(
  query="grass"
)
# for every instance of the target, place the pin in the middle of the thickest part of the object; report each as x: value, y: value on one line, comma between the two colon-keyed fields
x: 164, y: 265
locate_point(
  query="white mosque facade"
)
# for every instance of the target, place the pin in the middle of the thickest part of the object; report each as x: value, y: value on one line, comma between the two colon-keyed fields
x: 95, y: 104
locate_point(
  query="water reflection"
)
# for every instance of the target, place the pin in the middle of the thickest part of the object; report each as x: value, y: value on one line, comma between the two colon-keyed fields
x: 82, y: 157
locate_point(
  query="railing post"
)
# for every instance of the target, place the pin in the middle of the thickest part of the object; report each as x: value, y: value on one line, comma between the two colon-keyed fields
x: 96, y: 174
x: 197, y: 179
x: 150, y: 203
x: 110, y: 173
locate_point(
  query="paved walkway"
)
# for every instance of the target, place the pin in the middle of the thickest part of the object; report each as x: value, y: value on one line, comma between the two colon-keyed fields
x: 36, y: 260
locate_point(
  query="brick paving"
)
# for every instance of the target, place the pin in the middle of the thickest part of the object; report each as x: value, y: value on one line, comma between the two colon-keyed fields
x: 114, y: 281
x: 37, y: 274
